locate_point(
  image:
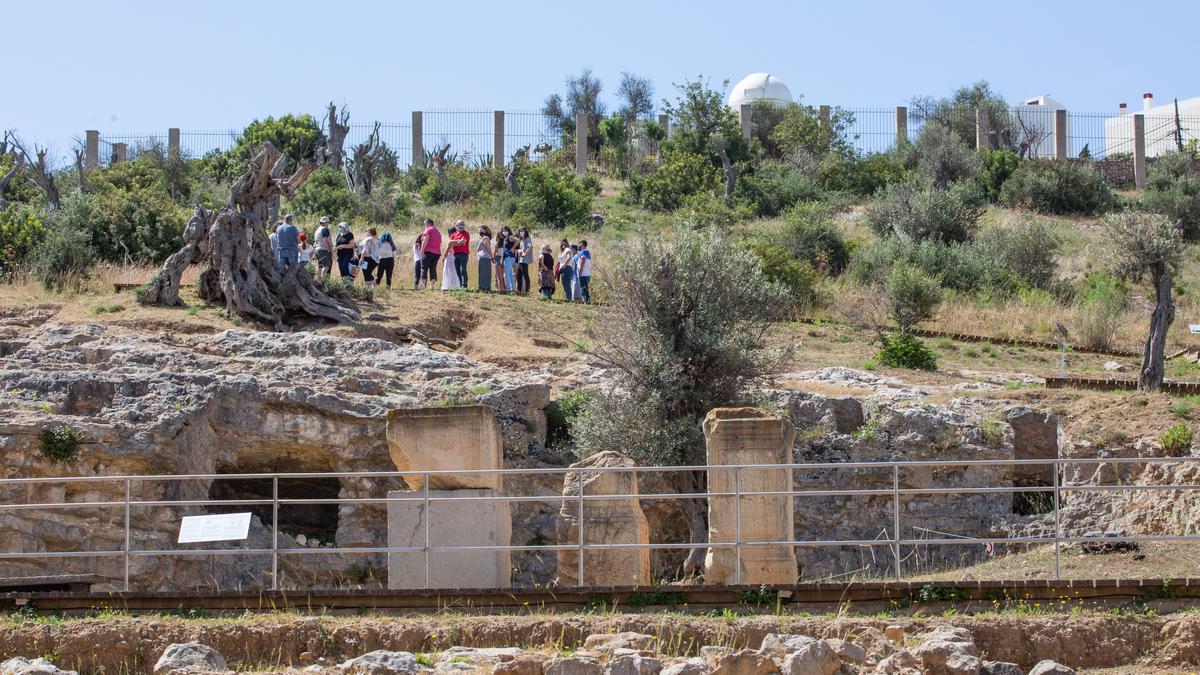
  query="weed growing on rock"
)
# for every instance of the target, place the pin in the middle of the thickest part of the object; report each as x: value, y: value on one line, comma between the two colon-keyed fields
x: 60, y: 444
x: 1177, y: 440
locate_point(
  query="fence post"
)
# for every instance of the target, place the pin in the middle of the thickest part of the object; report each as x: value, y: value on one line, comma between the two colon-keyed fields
x: 418, y: 139
x: 275, y: 532
x: 1139, y: 150
x: 173, y: 142
x: 91, y: 149
x: 581, y: 149
x: 901, y: 125
x: 128, y: 492
x: 1060, y: 134
x: 896, y: 517
x: 498, y: 139
x: 120, y: 153
x: 823, y: 119
x: 744, y: 112
x: 664, y: 121
x: 981, y: 129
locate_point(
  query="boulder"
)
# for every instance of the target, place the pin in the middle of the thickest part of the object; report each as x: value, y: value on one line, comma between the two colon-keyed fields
x: 847, y: 651
x: 381, y: 662
x: 949, y: 651
x: 633, y: 664
x: 749, y: 436
x: 1048, y: 667
x: 574, y: 665
x: 693, y: 666
x: 901, y: 662
x: 812, y: 658
x: 605, y: 521
x: 1034, y: 436
x: 522, y: 664
x: 744, y: 662
x: 610, y: 642
x: 39, y: 666
x: 1000, y: 668
x: 443, y: 439
x: 189, y: 657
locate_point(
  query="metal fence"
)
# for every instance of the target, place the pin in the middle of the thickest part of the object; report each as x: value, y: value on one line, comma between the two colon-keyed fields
x: 892, y: 538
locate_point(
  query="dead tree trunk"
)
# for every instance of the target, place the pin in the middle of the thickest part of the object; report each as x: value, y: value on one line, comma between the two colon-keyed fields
x: 695, y: 515
x: 360, y: 171
x: 332, y: 152
x: 42, y: 174
x: 163, y: 289
x: 80, y: 171
x: 731, y: 169
x: 241, y: 270
x: 438, y: 161
x: 12, y: 172
x: 1150, y: 376
x: 512, y: 173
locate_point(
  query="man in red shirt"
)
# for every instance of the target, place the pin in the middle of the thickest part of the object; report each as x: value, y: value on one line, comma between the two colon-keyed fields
x: 431, y: 245
x: 460, y: 246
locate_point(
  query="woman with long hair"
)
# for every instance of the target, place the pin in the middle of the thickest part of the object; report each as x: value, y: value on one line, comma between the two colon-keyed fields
x: 484, y: 254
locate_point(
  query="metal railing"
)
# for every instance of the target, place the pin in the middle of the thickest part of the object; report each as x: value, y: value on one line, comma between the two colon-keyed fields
x: 895, y: 540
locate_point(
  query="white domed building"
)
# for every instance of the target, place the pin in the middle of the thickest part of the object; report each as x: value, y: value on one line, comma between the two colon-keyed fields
x: 759, y: 87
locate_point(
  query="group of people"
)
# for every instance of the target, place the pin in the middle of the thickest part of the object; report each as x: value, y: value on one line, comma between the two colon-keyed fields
x: 505, y: 257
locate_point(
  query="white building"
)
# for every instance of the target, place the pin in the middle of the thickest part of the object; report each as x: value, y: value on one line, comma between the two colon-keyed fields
x: 759, y: 87
x: 1160, y: 124
x: 1033, y: 121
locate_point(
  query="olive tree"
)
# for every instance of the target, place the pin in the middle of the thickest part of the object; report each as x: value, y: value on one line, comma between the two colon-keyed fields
x: 1148, y: 246
x: 685, y: 333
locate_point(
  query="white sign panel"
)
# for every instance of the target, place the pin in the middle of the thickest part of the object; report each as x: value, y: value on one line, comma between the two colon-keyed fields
x: 1194, y: 327
x: 221, y: 527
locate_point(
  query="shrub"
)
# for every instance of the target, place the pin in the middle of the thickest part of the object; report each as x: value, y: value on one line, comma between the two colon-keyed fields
x: 997, y: 166
x: 867, y: 175
x: 387, y: 205
x: 1028, y: 250
x: 344, y: 289
x: 1173, y: 189
x: 1176, y: 441
x: 811, y: 234
x: 701, y: 211
x: 1059, y: 187
x: 64, y: 256
x: 296, y: 136
x: 20, y: 231
x: 774, y: 187
x: 798, y: 276
x: 906, y: 351
x: 1102, y: 303
x: 559, y: 415
x: 60, y: 444
x: 129, y: 212
x: 912, y: 296
x: 553, y: 197
x: 678, y: 176
x: 915, y: 209
x: 325, y: 194
x: 957, y: 266
x: 941, y: 155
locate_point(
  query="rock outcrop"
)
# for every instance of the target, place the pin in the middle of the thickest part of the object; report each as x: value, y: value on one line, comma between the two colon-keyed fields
x: 605, y: 521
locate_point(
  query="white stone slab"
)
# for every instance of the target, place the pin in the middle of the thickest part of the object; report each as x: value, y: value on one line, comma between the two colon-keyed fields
x: 455, y: 522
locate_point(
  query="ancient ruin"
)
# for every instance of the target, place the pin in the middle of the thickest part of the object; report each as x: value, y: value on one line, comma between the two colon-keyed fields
x: 749, y: 436
x: 605, y: 521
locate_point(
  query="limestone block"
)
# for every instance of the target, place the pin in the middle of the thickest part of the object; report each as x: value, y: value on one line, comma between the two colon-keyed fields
x: 749, y: 436
x: 605, y: 521
x: 446, y: 438
x: 459, y: 521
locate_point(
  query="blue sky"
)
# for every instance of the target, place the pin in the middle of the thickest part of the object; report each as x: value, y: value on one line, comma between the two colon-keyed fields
x: 142, y: 66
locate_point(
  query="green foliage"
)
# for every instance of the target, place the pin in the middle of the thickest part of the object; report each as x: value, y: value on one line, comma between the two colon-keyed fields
x: 553, y: 197
x: 20, y: 190
x: 704, y: 210
x: 991, y: 430
x: 758, y: 596
x: 60, y: 444
x: 941, y: 155
x: 906, y: 351
x: 912, y: 296
x: 1060, y: 187
x: 128, y: 211
x: 798, y: 276
x: 686, y: 330
x: 1173, y: 189
x: 582, y: 96
x: 678, y: 176
x: 559, y: 415
x: 325, y: 194
x: 1028, y: 250
x: 773, y: 187
x: 915, y: 209
x: 997, y: 166
x: 1176, y: 441
x: 932, y: 593
x: 344, y: 289
x: 960, y: 267
x: 795, y: 130
x: 811, y: 233
x: 1143, y: 244
x: 866, y: 175
x: 296, y: 136
x: 20, y: 231
x: 656, y: 599
x: 386, y: 205
x: 65, y: 254
x: 1103, y: 299
x: 701, y: 121
x: 957, y: 113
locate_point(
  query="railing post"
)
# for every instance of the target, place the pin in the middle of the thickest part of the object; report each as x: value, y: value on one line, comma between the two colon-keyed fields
x: 173, y: 142
x: 1060, y: 134
x: 1057, y: 522
x: 896, y: 517
x: 418, y: 139
x: 91, y: 149
x: 745, y: 117
x: 737, y: 525
x: 581, y: 146
x: 664, y: 121
x: 823, y: 124
x: 981, y: 130
x: 275, y: 533
x: 1139, y: 150
x: 425, y: 512
x: 498, y: 139
x: 901, y: 125
x: 120, y: 153
x: 127, y: 493
x: 579, y: 562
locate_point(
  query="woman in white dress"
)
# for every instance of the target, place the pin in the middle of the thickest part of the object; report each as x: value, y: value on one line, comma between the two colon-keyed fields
x: 449, y: 274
